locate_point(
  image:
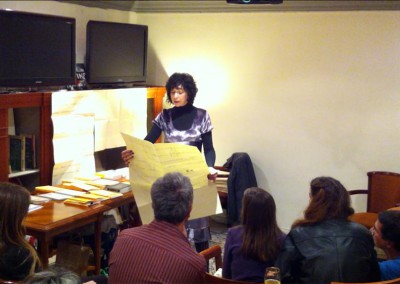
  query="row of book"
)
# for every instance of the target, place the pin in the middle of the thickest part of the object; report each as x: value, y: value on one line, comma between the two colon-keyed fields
x: 22, y: 152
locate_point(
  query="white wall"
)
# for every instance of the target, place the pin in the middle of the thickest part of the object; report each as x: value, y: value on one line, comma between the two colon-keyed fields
x: 305, y: 94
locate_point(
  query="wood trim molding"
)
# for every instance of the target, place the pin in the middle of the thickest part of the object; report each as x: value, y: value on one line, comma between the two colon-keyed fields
x: 203, y: 6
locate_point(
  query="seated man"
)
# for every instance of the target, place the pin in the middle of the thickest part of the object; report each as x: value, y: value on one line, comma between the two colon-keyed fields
x: 386, y: 233
x: 160, y: 251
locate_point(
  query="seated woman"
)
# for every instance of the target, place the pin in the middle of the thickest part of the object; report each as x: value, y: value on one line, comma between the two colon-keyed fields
x: 253, y: 246
x: 325, y: 246
x: 18, y: 259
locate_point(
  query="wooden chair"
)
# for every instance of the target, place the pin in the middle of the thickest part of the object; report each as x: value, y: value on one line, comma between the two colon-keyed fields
x: 394, y: 281
x: 383, y: 193
x: 9, y: 281
x: 215, y: 252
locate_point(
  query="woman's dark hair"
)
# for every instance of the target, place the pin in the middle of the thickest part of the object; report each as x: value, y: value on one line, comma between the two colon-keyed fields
x: 390, y: 230
x: 329, y: 200
x: 261, y: 234
x: 14, y: 205
x: 186, y: 81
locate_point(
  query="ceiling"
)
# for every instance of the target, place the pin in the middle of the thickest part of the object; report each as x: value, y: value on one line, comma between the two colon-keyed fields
x: 198, y: 6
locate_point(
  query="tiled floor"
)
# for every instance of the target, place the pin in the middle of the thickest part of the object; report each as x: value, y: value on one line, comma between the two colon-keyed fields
x: 218, y: 236
x: 218, y: 232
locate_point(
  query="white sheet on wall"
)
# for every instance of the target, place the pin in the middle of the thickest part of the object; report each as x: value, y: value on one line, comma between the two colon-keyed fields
x: 124, y: 110
x: 89, y: 121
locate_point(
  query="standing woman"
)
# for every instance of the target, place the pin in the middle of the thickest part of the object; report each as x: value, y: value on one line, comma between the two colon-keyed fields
x: 18, y: 259
x: 254, y: 245
x: 185, y: 124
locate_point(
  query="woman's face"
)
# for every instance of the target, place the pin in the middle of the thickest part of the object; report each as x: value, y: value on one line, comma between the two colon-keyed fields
x: 179, y: 96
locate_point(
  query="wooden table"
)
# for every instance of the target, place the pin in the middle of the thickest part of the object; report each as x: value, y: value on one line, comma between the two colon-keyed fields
x: 127, y: 199
x: 56, y: 218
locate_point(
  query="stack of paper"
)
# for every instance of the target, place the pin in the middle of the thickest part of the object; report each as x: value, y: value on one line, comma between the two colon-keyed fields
x: 33, y: 207
x: 38, y: 199
x: 78, y: 186
x: 80, y: 201
x: 59, y: 193
x: 120, y: 187
x: 106, y: 193
x: 46, y: 189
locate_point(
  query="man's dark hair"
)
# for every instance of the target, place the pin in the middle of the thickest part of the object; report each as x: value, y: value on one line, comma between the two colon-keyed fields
x: 390, y: 230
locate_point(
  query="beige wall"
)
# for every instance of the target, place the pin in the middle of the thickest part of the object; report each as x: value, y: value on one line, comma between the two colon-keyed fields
x: 305, y: 94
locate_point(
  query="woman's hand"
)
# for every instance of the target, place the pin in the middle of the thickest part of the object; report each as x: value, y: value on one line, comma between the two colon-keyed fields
x: 212, y: 177
x: 127, y: 156
x: 213, y: 174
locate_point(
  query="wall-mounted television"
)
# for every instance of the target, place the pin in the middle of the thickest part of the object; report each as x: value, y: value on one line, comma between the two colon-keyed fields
x: 116, y: 53
x: 36, y: 50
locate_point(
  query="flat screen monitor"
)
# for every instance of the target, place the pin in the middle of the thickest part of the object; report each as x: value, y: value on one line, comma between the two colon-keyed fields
x: 36, y: 50
x: 116, y: 53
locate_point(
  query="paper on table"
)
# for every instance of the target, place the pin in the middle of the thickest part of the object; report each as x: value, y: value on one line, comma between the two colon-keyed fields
x: 154, y: 160
x: 34, y: 207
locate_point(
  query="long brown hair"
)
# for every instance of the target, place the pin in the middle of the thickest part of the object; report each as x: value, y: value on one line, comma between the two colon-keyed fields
x: 329, y: 199
x: 14, y: 205
x: 261, y: 234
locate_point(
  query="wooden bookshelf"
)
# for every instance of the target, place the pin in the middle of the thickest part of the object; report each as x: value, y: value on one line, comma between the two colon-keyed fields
x: 32, y: 112
x: 33, y: 116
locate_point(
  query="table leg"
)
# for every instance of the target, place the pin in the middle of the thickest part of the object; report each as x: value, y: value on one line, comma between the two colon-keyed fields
x: 97, y: 243
x: 44, y: 253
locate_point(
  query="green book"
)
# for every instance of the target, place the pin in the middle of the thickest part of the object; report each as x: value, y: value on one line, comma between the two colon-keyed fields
x: 16, y: 145
x: 30, y: 153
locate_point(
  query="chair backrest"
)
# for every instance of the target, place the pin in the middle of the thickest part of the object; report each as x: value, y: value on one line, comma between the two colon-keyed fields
x: 9, y: 281
x: 383, y: 191
x: 394, y: 281
x: 215, y: 252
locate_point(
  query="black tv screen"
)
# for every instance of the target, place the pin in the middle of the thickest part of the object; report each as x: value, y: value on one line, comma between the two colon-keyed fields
x: 36, y: 49
x: 115, y: 53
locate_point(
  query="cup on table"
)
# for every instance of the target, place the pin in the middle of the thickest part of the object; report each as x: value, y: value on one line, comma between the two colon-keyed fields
x: 272, y: 275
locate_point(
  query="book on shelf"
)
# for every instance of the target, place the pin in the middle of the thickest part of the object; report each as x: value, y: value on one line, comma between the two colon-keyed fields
x: 30, y: 153
x: 16, y: 150
x: 22, y: 152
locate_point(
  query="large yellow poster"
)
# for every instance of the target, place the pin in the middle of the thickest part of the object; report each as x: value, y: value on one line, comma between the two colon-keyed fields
x: 155, y: 160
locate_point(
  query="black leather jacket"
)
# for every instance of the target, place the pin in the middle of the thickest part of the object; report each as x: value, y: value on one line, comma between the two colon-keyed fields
x: 333, y: 250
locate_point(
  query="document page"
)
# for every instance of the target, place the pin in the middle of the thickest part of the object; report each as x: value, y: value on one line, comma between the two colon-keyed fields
x: 152, y: 161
